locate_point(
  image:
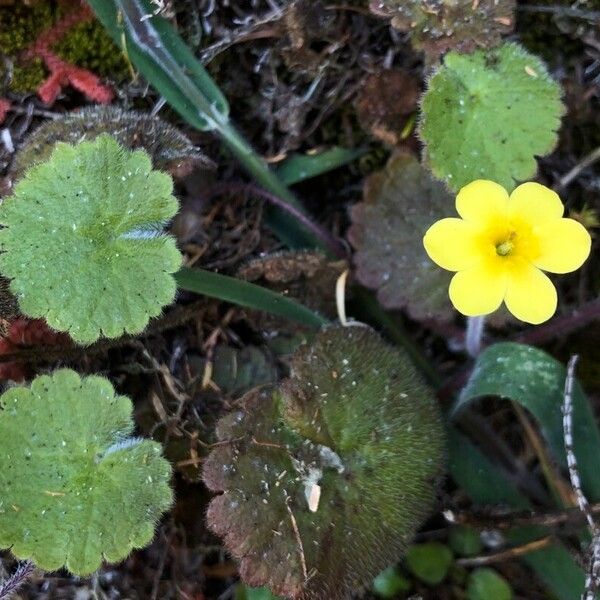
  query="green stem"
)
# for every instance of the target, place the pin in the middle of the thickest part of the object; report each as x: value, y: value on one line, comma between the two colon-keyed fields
x: 289, y: 230
x: 159, y: 53
x: 255, y: 165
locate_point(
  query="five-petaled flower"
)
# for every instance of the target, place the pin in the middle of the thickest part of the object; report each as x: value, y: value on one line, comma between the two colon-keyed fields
x: 501, y: 245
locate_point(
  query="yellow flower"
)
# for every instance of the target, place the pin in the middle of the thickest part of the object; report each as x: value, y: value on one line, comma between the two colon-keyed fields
x: 500, y: 246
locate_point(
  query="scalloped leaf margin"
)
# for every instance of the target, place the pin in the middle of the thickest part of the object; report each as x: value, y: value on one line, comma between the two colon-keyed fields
x: 83, y: 240
x: 399, y: 204
x: 326, y: 478
x: 75, y: 487
x: 488, y: 115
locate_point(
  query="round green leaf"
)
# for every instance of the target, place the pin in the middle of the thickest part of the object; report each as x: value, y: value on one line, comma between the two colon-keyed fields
x: 243, y: 592
x: 75, y: 488
x: 465, y: 541
x: 390, y: 583
x: 83, y: 243
x: 430, y: 562
x: 485, y: 584
x: 326, y: 478
x: 487, y: 115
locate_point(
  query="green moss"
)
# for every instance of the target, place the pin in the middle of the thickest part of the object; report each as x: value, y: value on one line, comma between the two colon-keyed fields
x: 87, y: 45
x: 19, y: 26
x: 27, y: 76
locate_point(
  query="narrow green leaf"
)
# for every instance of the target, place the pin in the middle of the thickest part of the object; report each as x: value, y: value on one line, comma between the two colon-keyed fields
x: 171, y: 67
x: 536, y: 381
x: 299, y: 167
x: 162, y: 57
x: 554, y: 565
x: 486, y: 485
x: 246, y: 294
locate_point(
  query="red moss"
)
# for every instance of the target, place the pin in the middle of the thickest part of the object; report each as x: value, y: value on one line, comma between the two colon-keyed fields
x: 63, y: 73
x: 25, y: 333
x: 4, y: 108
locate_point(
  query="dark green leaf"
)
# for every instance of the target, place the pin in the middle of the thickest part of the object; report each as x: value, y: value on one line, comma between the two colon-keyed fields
x: 299, y: 167
x: 486, y: 485
x: 430, y: 562
x: 536, y: 381
x: 246, y: 294
x: 465, y: 541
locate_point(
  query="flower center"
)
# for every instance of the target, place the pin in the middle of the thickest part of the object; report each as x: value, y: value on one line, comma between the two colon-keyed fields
x: 504, y: 248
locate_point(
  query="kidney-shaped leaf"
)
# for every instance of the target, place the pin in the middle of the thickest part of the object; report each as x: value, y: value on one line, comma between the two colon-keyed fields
x: 488, y: 115
x: 400, y: 204
x: 326, y: 479
x: 75, y: 487
x: 82, y: 240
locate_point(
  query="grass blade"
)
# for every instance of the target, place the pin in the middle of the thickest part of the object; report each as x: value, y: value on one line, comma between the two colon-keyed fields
x: 300, y: 167
x: 162, y: 57
x: 246, y: 294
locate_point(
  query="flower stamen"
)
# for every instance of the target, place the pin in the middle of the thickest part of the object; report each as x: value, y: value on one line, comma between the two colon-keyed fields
x: 504, y: 248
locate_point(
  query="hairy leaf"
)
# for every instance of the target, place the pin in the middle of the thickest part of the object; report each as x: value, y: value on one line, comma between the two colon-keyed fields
x: 168, y: 148
x: 75, y: 488
x: 400, y: 204
x: 83, y: 242
x: 326, y: 479
x: 488, y: 115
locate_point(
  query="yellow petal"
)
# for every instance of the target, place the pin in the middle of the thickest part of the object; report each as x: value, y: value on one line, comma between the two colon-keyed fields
x: 481, y: 201
x: 535, y: 204
x: 564, y: 245
x: 530, y: 295
x: 479, y: 290
x: 450, y: 243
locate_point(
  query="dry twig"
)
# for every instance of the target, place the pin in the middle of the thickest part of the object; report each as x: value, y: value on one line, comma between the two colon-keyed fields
x: 593, y: 574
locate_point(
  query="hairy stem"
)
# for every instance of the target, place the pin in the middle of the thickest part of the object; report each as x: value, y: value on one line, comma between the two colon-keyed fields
x: 328, y: 241
x: 16, y: 580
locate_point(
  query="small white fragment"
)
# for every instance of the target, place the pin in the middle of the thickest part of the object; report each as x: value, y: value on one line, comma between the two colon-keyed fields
x: 313, y: 495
